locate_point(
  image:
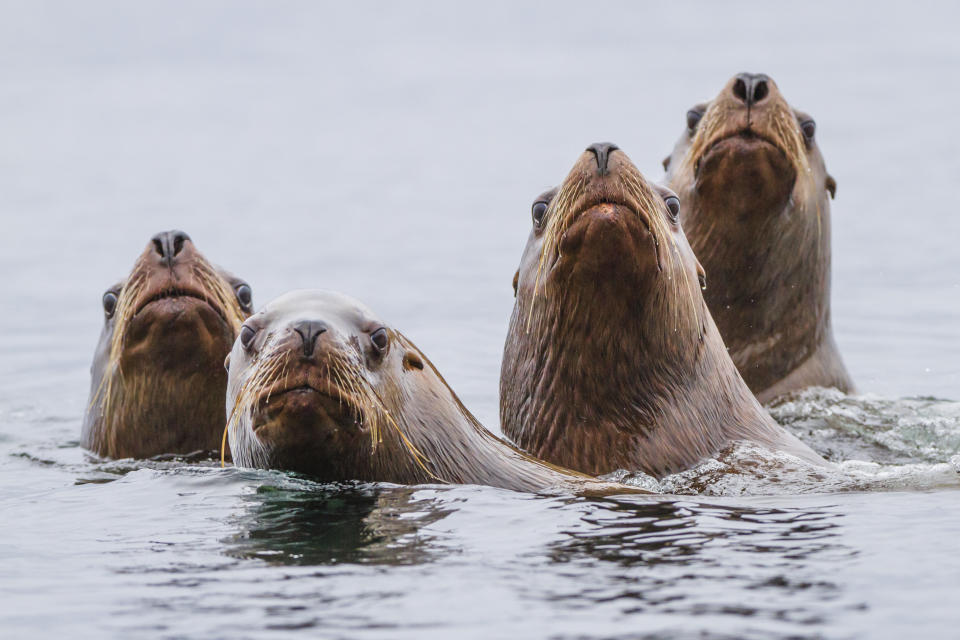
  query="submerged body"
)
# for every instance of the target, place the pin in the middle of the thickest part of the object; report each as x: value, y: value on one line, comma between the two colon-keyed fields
x: 754, y: 200
x: 157, y: 379
x: 612, y: 360
x: 319, y: 385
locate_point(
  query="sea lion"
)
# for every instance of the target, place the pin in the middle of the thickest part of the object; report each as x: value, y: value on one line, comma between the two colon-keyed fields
x: 157, y: 380
x: 319, y: 385
x: 612, y: 360
x: 754, y: 200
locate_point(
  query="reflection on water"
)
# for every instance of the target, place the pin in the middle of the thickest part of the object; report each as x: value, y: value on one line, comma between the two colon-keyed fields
x: 333, y: 524
x: 613, y: 557
x: 679, y: 532
x: 695, y: 559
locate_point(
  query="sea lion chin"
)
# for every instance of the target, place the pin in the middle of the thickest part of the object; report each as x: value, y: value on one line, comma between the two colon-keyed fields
x: 318, y: 384
x: 755, y: 198
x: 157, y: 375
x: 747, y: 174
x: 612, y: 360
x: 619, y: 230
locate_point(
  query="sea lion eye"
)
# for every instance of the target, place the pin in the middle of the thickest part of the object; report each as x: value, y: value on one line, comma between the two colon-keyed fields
x: 379, y: 339
x: 538, y: 211
x: 809, y: 128
x: 244, y: 296
x: 673, y: 207
x: 109, y: 303
x: 693, y: 119
x: 246, y: 336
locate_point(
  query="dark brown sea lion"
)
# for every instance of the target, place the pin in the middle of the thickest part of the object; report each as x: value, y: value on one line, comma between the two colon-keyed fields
x: 157, y: 377
x: 612, y: 359
x: 754, y: 193
x: 319, y: 385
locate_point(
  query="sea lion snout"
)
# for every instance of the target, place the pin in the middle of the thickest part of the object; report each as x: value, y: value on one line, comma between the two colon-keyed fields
x: 602, y: 151
x: 305, y: 381
x: 170, y: 260
x: 169, y: 244
x: 751, y: 88
x: 309, y: 331
x: 178, y: 290
x: 309, y: 342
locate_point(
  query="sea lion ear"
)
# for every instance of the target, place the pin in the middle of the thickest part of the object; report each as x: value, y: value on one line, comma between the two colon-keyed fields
x: 832, y: 187
x: 666, y: 163
x: 702, y: 276
x: 412, y: 360
x: 226, y: 362
x: 516, y: 280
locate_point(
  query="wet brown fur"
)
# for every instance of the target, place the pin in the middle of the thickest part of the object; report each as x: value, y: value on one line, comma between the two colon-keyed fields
x: 374, y: 417
x: 157, y: 380
x: 612, y: 360
x: 754, y: 205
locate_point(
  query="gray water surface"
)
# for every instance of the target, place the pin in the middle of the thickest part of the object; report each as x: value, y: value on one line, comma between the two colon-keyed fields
x: 391, y: 151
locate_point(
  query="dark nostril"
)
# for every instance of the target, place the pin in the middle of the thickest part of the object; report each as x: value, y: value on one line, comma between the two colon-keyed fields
x: 158, y: 245
x: 309, y: 331
x: 740, y: 89
x: 760, y: 90
x: 179, y: 238
x: 602, y: 151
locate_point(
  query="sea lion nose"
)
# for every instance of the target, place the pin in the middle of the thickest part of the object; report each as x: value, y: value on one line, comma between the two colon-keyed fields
x: 602, y: 151
x: 309, y: 331
x: 751, y: 88
x: 169, y: 244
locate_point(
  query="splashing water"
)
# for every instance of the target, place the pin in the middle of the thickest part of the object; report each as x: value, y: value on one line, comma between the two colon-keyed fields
x: 874, y: 443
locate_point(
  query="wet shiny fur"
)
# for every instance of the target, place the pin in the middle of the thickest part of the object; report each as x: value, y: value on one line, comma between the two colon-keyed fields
x: 612, y: 359
x: 755, y: 203
x: 320, y: 385
x: 157, y: 379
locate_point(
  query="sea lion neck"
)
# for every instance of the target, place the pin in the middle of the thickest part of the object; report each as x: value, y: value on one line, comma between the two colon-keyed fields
x: 605, y: 372
x: 599, y: 320
x: 626, y: 407
x: 167, y: 412
x: 763, y: 268
x: 448, y: 444
x: 608, y: 301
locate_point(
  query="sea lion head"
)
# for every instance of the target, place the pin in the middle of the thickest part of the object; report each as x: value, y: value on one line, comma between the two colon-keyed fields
x: 320, y: 385
x: 608, y: 235
x: 748, y: 153
x: 609, y: 318
x: 156, y: 374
